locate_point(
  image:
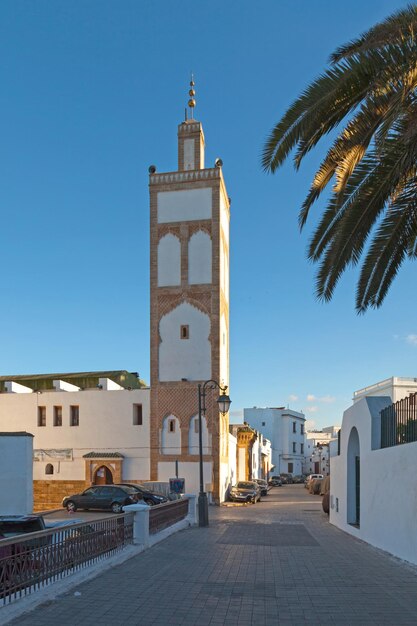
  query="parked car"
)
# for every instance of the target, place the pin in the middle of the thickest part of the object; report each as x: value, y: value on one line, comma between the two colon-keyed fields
x: 149, y: 497
x: 299, y: 479
x: 105, y: 498
x: 287, y: 479
x: 14, y: 525
x: 311, y: 477
x: 245, y: 491
x: 275, y: 481
x: 263, y: 485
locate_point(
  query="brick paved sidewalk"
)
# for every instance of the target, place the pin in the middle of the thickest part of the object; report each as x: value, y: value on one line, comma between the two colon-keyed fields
x: 276, y: 562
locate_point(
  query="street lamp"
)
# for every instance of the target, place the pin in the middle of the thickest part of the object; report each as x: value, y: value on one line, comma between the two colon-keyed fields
x: 224, y: 404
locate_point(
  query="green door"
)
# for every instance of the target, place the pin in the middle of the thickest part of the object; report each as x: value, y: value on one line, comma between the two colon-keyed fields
x: 358, y: 489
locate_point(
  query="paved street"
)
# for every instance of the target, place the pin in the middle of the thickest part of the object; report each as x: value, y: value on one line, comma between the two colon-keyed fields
x: 276, y: 562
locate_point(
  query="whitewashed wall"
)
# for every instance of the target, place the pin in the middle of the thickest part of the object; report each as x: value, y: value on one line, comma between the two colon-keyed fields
x: 106, y: 424
x: 388, y: 501
x: 181, y: 206
x: 16, y: 475
x: 199, y: 258
x: 190, y: 471
x: 224, y: 352
x: 184, y: 358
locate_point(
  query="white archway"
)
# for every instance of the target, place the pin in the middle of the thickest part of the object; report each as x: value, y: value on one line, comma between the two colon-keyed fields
x: 353, y: 478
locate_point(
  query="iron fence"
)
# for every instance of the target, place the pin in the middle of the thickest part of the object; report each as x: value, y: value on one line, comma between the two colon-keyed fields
x: 38, y: 559
x: 399, y: 422
x: 167, y: 514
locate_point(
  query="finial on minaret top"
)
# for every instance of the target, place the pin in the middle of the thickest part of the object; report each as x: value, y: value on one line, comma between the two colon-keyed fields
x: 191, y: 101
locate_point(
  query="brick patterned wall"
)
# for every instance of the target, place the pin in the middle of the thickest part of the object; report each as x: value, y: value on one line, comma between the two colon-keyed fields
x: 48, y: 494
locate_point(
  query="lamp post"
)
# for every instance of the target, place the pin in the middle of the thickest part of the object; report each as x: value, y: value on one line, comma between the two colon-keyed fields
x: 224, y: 404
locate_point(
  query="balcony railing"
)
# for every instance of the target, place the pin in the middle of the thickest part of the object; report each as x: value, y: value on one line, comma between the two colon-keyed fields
x: 399, y: 422
x: 165, y: 515
x: 38, y: 559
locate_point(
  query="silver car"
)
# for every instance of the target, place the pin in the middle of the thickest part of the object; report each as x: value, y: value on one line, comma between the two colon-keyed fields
x: 245, y: 491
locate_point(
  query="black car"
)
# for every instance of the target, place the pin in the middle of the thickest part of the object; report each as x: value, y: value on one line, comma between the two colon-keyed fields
x: 263, y: 485
x: 275, y: 481
x: 106, y: 498
x: 149, y: 497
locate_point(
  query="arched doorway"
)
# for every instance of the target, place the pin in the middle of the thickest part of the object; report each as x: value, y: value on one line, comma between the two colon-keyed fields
x: 103, y: 476
x: 353, y: 479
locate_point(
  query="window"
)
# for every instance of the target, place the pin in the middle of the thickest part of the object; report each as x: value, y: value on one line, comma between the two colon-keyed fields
x: 41, y: 415
x: 294, y: 446
x: 185, y: 332
x: 49, y: 469
x: 290, y: 468
x: 302, y: 429
x: 196, y: 426
x: 302, y: 448
x: 57, y: 415
x: 294, y: 427
x: 137, y: 415
x: 74, y: 415
x: 171, y: 426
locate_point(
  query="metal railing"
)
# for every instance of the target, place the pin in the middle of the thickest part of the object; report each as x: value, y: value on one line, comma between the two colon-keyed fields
x: 35, y: 560
x: 399, y: 422
x: 167, y: 514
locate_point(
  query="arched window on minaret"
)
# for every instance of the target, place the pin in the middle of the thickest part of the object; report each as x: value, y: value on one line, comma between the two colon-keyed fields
x: 169, y: 261
x: 193, y: 435
x: 171, y: 435
x: 199, y: 258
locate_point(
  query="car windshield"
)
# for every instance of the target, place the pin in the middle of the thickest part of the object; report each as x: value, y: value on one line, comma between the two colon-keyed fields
x: 243, y: 485
x: 130, y: 490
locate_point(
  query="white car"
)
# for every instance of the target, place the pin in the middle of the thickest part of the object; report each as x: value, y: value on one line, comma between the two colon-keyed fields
x: 311, y: 477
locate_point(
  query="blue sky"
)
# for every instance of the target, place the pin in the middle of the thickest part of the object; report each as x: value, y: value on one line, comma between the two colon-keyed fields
x: 91, y: 93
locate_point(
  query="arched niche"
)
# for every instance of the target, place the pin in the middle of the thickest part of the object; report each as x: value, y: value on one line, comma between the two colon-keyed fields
x: 171, y: 435
x: 49, y: 469
x: 169, y: 261
x: 184, y: 349
x: 199, y: 258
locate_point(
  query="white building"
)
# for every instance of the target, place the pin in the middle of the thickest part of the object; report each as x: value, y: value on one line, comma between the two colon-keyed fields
x: 16, y: 488
x: 317, y: 450
x: 285, y: 429
x: 395, y: 388
x: 373, y: 477
x: 94, y: 432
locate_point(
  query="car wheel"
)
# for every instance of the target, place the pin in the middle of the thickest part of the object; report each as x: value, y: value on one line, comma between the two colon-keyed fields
x: 116, y: 507
x: 149, y: 502
x: 71, y: 506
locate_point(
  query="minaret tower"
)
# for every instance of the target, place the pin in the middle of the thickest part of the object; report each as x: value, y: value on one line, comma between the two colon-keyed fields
x: 189, y: 313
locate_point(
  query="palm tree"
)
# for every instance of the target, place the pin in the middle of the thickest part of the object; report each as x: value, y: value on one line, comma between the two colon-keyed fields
x: 369, y: 95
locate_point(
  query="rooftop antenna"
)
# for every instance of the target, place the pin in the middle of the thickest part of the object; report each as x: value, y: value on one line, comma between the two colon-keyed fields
x: 191, y: 101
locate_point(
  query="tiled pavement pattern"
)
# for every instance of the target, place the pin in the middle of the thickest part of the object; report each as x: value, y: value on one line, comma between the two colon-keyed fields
x: 276, y: 562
